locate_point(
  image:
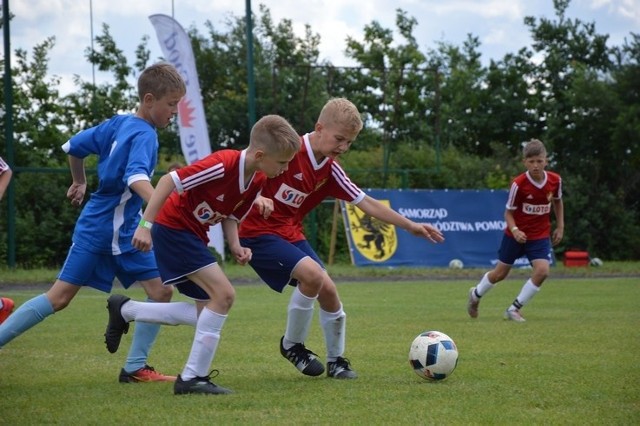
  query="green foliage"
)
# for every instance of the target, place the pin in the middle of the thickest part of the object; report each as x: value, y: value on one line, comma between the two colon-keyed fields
x: 433, y: 119
x: 553, y: 369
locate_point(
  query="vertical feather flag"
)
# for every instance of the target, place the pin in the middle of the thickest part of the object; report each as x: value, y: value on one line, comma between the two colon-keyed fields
x: 194, y: 136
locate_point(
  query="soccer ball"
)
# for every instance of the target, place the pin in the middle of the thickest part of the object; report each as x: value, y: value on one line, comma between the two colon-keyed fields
x: 433, y: 355
x: 596, y: 261
x: 456, y: 264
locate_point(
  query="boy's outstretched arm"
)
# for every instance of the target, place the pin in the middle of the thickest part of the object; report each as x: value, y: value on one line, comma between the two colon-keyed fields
x: 375, y: 208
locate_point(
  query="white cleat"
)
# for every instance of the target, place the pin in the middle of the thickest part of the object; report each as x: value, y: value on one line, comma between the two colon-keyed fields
x: 513, y: 315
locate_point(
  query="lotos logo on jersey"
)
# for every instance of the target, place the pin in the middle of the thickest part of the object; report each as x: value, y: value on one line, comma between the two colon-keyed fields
x: 290, y: 196
x: 536, y: 209
x: 376, y: 240
x: 205, y: 214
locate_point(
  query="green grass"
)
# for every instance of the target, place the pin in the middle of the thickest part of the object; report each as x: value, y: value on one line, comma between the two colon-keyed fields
x: 575, y: 361
x: 20, y: 276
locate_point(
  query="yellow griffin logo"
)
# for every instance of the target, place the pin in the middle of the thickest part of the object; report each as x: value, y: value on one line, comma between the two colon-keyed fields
x: 376, y: 240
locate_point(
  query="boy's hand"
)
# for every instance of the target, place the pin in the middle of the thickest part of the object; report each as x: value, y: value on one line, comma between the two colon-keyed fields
x: 557, y: 236
x: 519, y: 236
x: 241, y: 254
x: 142, y: 239
x: 265, y: 206
x: 427, y: 231
x: 76, y: 192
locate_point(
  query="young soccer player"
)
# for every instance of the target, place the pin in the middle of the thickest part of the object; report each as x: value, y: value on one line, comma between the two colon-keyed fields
x: 532, y: 196
x: 219, y: 188
x: 282, y: 256
x: 127, y: 148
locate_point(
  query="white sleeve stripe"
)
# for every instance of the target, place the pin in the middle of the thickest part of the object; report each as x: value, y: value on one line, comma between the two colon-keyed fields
x: 3, y: 165
x: 212, y: 173
x: 204, y: 172
x: 345, y: 183
x: 559, y: 189
x: 176, y: 181
x: 135, y: 178
x: 512, y: 196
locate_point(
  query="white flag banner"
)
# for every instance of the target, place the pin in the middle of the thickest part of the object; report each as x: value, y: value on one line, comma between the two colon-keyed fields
x: 194, y: 135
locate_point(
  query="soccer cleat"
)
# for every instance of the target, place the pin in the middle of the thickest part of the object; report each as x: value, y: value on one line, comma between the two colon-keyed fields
x: 117, y: 326
x: 145, y: 374
x: 513, y: 315
x: 304, y: 360
x: 340, y: 369
x: 472, y: 303
x: 201, y: 385
x: 7, y: 308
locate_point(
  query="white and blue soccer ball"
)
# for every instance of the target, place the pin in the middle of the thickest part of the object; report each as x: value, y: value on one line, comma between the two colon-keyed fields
x: 596, y: 261
x: 433, y: 355
x: 456, y: 264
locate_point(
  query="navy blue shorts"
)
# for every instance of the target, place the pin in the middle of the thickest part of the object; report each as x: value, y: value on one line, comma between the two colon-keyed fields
x: 98, y: 270
x: 274, y: 259
x: 180, y: 253
x: 510, y: 250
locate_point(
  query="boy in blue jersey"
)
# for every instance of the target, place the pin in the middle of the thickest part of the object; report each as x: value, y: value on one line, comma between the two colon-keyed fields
x: 127, y: 147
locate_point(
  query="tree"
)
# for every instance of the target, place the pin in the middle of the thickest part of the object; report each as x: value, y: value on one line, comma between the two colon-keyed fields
x: 578, y: 102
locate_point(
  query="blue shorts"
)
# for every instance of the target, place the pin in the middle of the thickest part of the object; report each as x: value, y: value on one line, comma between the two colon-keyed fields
x: 86, y: 268
x: 180, y: 253
x: 274, y: 259
x: 510, y: 250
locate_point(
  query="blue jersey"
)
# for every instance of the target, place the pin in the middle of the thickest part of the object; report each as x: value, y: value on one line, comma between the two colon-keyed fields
x: 127, y: 150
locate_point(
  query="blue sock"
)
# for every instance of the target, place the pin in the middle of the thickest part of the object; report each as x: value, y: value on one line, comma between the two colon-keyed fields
x: 30, y: 313
x: 144, y: 335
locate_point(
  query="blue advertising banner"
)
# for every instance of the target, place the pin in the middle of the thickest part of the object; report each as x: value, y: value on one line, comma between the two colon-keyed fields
x: 472, y: 222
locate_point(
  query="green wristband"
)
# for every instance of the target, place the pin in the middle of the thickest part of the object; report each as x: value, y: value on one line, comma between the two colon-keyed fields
x: 145, y: 224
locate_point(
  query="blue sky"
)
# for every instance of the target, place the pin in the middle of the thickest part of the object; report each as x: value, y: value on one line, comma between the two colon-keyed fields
x: 498, y: 23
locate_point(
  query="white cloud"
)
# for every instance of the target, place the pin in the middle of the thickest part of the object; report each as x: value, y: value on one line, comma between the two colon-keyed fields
x: 631, y: 10
x: 511, y: 10
x: 497, y: 23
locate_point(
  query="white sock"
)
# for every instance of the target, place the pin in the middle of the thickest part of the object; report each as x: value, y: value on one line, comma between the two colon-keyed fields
x: 299, y: 316
x: 529, y: 289
x: 334, y: 325
x: 205, y: 343
x: 174, y: 313
x: 484, y: 286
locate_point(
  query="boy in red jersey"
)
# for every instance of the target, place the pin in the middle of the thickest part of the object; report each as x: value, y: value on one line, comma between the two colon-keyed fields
x: 532, y: 196
x: 281, y: 254
x: 186, y: 202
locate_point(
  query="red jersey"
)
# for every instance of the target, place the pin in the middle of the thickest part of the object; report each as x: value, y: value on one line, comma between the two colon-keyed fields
x: 210, y: 190
x: 531, y: 203
x: 296, y: 192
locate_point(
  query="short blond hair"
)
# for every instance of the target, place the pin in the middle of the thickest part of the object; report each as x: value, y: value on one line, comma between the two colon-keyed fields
x: 160, y: 79
x: 273, y: 134
x: 533, y: 148
x: 341, y: 111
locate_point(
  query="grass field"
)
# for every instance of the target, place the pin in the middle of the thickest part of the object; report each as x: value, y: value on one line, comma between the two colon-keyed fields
x: 575, y: 361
